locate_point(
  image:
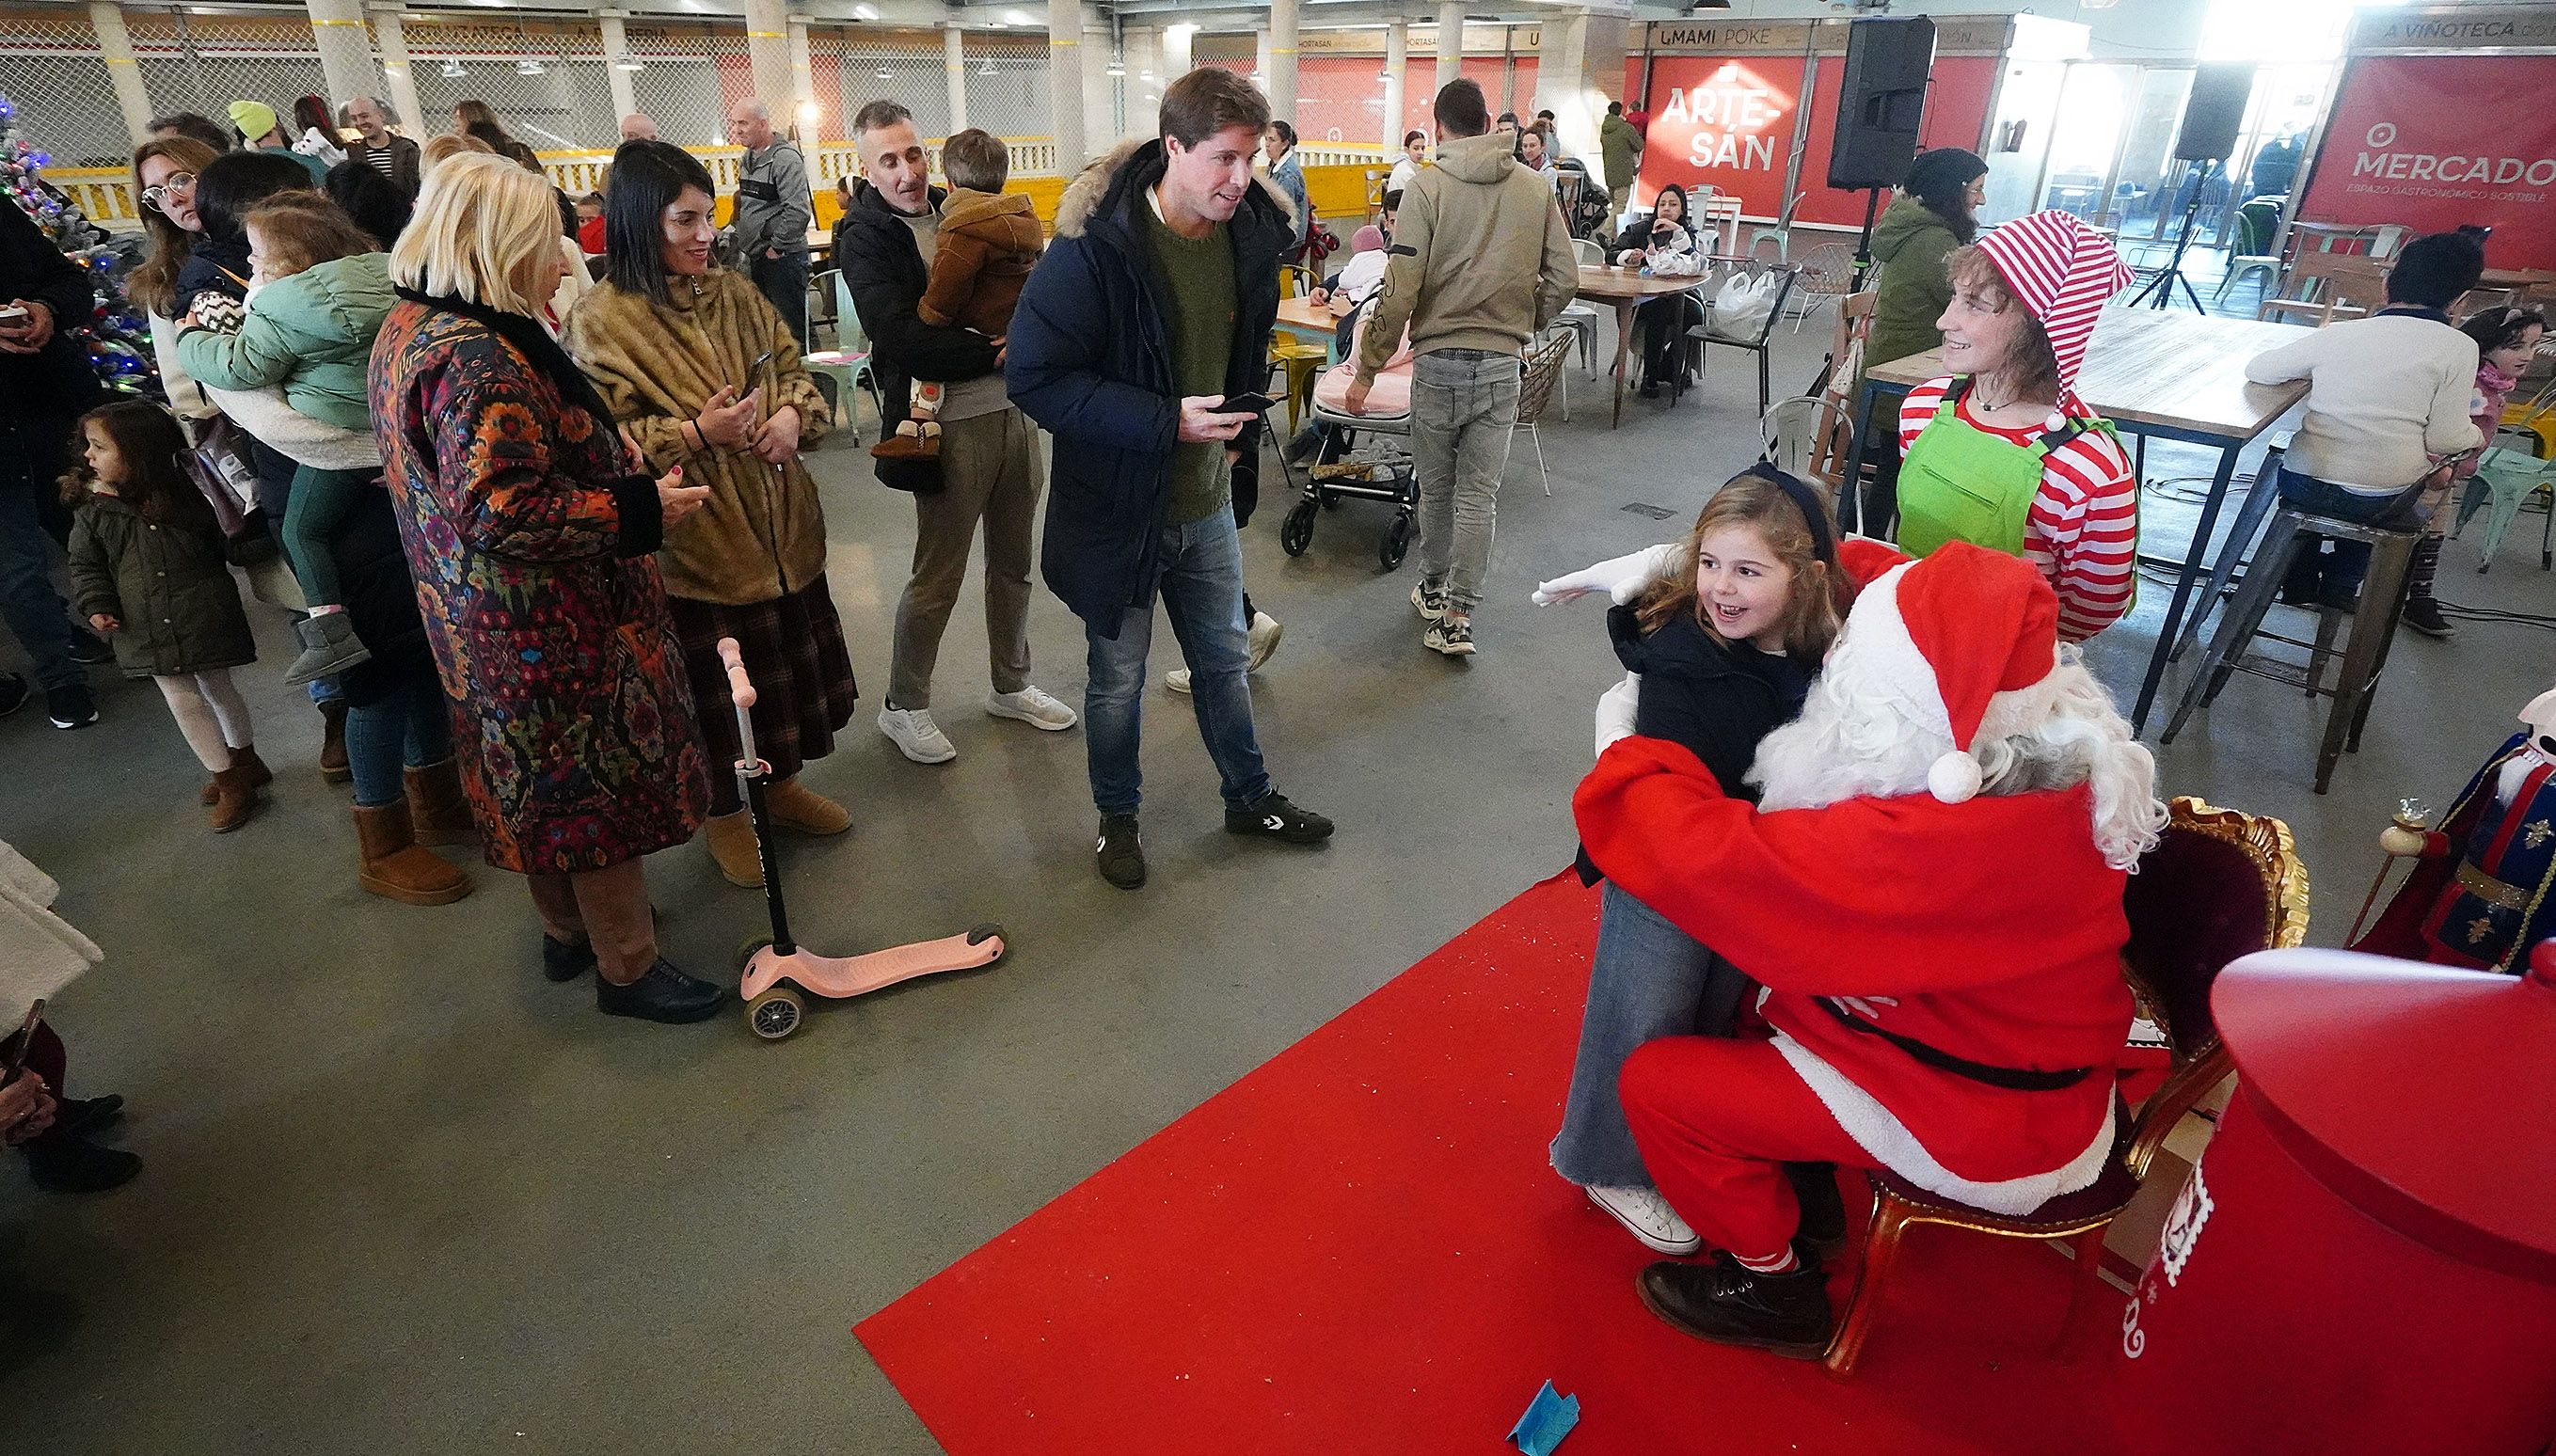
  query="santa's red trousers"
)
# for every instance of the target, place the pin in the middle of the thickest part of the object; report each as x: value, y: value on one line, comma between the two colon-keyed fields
x: 1716, y: 1118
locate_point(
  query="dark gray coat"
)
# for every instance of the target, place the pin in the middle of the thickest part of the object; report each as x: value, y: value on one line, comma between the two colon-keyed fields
x: 167, y: 582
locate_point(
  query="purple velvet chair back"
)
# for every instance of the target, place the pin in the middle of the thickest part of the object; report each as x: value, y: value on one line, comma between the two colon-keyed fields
x: 2219, y: 885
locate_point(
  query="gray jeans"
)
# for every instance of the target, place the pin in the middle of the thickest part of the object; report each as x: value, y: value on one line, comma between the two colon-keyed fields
x: 990, y: 473
x: 1464, y: 405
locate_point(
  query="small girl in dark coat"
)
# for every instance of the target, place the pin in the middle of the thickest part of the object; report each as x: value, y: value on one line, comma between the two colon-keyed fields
x: 149, y: 573
x: 1720, y: 651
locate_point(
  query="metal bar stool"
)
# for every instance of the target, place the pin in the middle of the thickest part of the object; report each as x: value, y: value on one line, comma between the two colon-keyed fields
x: 2365, y: 651
x: 2260, y: 496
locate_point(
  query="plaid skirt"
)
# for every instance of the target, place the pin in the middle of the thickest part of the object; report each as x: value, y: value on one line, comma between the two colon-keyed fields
x: 802, y: 681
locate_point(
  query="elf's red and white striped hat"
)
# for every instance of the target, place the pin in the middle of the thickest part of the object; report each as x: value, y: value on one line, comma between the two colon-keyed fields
x: 2063, y: 270
x: 1967, y: 641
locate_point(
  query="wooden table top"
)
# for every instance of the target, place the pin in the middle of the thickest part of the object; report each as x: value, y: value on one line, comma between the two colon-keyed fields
x: 1304, y: 312
x: 2165, y: 368
x: 1621, y: 283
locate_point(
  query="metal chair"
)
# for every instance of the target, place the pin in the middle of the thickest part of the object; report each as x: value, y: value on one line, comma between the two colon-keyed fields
x: 1709, y: 333
x: 1582, y: 318
x: 1827, y: 272
x: 848, y: 363
x: 2255, y: 222
x: 2505, y: 481
x: 1799, y: 436
x: 2365, y: 657
x: 1535, y: 394
x: 2219, y: 885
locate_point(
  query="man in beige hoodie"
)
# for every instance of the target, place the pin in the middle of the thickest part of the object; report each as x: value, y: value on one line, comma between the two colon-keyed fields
x: 1480, y: 263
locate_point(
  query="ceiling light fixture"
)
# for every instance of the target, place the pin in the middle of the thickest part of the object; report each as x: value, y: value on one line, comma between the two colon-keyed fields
x: 986, y: 68
x: 1016, y: 17
x: 1117, y: 68
x: 626, y: 64
x: 529, y: 66
x: 865, y: 12
x: 886, y: 75
x: 453, y: 68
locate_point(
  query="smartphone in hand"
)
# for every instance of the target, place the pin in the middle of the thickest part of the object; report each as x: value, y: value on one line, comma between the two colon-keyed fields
x: 1253, y: 404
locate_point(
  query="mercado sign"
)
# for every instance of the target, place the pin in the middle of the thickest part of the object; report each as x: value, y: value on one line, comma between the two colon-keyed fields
x: 2402, y: 147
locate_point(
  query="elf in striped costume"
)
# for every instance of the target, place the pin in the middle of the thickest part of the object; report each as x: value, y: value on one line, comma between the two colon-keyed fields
x: 2001, y: 452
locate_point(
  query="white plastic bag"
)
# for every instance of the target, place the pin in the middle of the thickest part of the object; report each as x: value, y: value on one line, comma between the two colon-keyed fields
x: 1744, y: 304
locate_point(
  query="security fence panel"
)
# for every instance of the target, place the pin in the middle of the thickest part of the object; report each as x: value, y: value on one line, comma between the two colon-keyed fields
x: 1008, y: 87
x: 203, y: 63
x: 905, y: 69
x: 51, y: 70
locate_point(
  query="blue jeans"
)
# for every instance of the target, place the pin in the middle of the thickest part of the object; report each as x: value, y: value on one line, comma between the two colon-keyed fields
x: 1202, y: 592
x: 404, y: 728
x: 1648, y: 980
x: 35, y: 611
x: 2349, y: 560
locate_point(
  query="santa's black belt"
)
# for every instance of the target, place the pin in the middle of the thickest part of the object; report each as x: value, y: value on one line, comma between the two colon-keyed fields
x: 2013, y: 1079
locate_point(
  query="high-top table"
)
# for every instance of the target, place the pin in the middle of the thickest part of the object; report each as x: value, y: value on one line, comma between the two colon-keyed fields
x: 1628, y: 289
x: 2171, y: 375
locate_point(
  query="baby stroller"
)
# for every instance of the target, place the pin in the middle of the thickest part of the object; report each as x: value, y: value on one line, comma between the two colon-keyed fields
x: 1383, y: 473
x: 1585, y: 207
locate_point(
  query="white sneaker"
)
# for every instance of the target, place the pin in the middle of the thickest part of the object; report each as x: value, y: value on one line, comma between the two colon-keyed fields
x: 1031, y: 706
x: 915, y: 736
x: 1264, y: 640
x: 1648, y: 1217
x: 1177, y: 679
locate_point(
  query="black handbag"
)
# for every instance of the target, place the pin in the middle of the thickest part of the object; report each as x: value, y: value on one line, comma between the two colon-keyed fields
x: 217, y: 460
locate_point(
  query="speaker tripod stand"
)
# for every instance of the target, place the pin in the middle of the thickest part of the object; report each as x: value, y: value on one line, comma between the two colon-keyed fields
x: 2160, y: 292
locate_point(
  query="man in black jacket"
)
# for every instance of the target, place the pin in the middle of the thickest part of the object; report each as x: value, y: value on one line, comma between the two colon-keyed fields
x: 46, y: 384
x: 990, y: 453
x: 394, y: 156
x: 1151, y: 308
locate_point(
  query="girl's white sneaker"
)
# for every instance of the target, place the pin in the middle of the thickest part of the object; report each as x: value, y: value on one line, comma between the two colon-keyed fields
x: 1648, y: 1217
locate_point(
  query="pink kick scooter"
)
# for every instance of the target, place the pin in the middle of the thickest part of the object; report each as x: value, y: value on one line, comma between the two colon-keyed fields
x: 777, y: 969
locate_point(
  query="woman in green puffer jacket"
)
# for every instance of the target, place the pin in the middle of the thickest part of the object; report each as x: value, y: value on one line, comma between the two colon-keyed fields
x: 318, y: 297
x: 1933, y: 215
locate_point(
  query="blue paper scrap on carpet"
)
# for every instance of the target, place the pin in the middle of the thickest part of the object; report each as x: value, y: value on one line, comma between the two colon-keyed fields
x: 1549, y: 1417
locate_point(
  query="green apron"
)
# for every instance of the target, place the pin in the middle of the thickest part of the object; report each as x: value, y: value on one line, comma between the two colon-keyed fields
x: 1961, y: 483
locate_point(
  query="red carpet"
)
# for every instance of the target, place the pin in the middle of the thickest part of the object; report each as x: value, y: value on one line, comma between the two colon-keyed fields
x: 1360, y: 1249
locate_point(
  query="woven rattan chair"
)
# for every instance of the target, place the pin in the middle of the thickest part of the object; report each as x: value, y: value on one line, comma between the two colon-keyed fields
x: 1534, y: 395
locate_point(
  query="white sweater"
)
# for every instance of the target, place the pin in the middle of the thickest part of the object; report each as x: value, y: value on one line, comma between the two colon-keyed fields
x: 2385, y: 396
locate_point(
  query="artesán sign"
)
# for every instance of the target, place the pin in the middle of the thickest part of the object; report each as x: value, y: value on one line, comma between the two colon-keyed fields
x: 2405, y: 144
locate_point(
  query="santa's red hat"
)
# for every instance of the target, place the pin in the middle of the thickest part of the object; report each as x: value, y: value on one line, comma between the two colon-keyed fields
x: 1967, y: 641
x: 2062, y: 270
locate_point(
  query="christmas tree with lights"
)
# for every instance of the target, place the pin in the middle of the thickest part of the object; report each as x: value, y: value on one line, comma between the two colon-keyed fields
x: 118, y: 338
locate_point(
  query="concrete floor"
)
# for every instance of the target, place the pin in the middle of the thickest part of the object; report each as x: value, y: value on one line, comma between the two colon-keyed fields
x: 403, y: 1194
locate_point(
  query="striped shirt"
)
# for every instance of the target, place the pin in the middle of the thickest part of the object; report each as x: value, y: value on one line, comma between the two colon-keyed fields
x: 2083, y: 531
x: 379, y: 158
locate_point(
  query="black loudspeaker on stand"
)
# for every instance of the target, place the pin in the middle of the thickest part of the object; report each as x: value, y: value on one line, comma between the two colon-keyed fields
x: 2211, y: 117
x: 1881, y: 102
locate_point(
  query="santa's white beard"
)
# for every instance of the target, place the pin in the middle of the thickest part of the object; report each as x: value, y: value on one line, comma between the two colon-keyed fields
x: 1848, y: 743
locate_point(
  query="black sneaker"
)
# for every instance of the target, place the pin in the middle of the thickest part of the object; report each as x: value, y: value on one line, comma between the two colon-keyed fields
x: 62, y: 1163
x: 72, y: 706
x: 89, y: 648
x: 1272, y: 817
x: 1815, y: 1188
x: 663, y: 994
x: 13, y: 694
x: 1785, y: 1313
x: 1122, y: 851
x: 562, y: 961
x: 1450, y: 635
x: 2423, y: 614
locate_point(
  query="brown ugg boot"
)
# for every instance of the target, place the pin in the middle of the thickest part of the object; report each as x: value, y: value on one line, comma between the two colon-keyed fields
x: 233, y: 799
x: 332, y: 742
x: 733, y: 850
x: 793, y: 805
x: 395, y: 867
x: 247, y: 761
x: 435, y: 806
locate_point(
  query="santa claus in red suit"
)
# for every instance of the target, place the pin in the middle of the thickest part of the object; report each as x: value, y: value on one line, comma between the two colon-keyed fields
x: 1930, y: 893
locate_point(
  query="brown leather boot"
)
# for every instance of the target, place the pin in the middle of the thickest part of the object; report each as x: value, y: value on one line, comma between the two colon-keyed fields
x: 233, y: 799
x: 259, y: 775
x: 733, y: 850
x: 435, y: 806
x: 332, y: 742
x: 395, y: 867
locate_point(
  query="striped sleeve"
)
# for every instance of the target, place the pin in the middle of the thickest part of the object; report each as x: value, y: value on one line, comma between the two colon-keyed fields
x: 1917, y: 411
x: 2084, y: 533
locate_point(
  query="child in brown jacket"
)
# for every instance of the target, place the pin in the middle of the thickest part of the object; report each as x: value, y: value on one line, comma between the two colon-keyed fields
x: 988, y: 241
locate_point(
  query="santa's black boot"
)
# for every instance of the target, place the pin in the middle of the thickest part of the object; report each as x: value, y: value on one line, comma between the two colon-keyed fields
x: 1785, y: 1314
x: 1815, y: 1188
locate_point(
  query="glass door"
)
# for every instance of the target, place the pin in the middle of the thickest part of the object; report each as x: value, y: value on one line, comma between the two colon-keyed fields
x: 2086, y: 143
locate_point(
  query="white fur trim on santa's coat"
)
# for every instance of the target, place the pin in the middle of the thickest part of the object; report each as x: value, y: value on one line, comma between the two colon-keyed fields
x: 1889, y: 1140
x: 1909, y: 678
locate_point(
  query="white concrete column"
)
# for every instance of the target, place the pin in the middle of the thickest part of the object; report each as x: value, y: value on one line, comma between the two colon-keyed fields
x: 1099, y: 87
x: 767, y: 48
x: 1064, y: 82
x: 345, y: 48
x: 116, y: 45
x: 953, y: 50
x: 616, y: 50
x: 1451, y: 48
x: 1397, y: 57
x: 392, y: 38
x: 803, y: 114
x: 1281, y: 68
x: 1176, y: 63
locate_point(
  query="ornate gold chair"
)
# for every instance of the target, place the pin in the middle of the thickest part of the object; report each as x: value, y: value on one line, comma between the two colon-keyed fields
x: 2219, y: 885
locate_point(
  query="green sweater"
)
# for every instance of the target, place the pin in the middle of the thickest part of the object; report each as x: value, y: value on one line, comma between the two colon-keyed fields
x: 1197, y: 273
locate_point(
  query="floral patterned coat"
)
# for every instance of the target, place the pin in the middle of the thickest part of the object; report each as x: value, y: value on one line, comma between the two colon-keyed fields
x: 572, y: 715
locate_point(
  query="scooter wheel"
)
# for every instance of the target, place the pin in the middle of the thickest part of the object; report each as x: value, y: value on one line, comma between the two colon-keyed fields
x: 775, y: 1014
x: 1296, y: 532
x: 984, y: 932
x: 745, y: 953
x: 1396, y: 543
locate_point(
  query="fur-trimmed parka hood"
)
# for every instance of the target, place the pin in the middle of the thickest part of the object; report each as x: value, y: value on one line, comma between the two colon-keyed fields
x: 1140, y: 163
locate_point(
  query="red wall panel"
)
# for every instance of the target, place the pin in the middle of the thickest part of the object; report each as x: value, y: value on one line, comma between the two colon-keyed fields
x: 2408, y: 143
x: 1727, y: 123
x: 1957, y: 110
